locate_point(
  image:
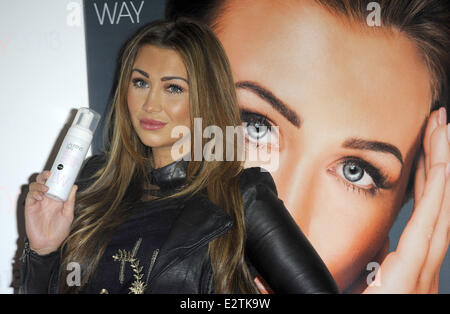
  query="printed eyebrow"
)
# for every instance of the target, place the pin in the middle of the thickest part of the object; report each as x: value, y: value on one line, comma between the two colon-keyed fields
x: 165, y: 78
x: 358, y: 143
x: 273, y: 100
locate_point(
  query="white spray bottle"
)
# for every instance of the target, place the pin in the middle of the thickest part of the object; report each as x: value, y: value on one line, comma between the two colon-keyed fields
x: 71, y: 154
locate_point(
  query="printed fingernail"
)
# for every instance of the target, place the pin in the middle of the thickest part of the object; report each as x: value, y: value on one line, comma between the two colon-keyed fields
x: 442, y: 116
x: 448, y: 132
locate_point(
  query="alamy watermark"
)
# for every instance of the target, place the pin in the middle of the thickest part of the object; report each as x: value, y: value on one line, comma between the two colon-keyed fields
x: 73, y: 17
x: 74, y: 276
x: 374, y: 277
x: 263, y: 149
x: 374, y: 17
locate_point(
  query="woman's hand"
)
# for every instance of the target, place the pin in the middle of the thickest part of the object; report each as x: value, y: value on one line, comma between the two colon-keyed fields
x: 415, y: 265
x: 47, y: 221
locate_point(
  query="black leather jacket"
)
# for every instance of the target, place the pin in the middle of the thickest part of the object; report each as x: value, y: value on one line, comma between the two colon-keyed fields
x: 275, y: 245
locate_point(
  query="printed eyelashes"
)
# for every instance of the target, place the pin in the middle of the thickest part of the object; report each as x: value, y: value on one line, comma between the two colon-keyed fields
x: 255, y: 118
x: 379, y: 179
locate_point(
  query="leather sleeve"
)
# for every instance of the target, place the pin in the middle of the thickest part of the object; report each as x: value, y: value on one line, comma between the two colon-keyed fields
x: 37, y: 270
x: 275, y: 244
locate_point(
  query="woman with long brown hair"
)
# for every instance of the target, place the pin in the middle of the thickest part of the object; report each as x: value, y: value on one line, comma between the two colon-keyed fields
x: 144, y: 221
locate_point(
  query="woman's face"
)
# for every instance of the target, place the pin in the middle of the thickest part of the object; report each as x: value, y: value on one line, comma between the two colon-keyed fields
x: 349, y: 101
x: 158, y: 90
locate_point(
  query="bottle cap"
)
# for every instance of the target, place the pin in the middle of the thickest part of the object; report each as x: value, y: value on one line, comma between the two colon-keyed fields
x: 86, y: 118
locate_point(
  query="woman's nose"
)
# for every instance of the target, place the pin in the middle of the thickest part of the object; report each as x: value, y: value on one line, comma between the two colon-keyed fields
x: 153, y: 102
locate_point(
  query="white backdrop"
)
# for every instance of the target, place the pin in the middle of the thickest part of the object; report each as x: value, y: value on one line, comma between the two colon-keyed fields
x: 43, y: 80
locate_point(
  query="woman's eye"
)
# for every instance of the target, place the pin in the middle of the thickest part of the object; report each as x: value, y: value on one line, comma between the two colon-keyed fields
x: 355, y: 174
x: 258, y: 128
x: 139, y: 83
x: 175, y: 89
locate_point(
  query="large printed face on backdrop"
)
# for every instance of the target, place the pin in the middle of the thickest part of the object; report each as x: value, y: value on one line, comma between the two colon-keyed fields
x: 158, y: 90
x: 349, y: 101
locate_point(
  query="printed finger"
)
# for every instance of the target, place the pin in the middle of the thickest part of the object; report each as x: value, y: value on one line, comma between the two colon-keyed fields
x: 439, y: 241
x: 435, y: 285
x: 260, y: 286
x: 414, y: 242
x: 439, y: 146
x: 420, y: 178
x: 436, y: 118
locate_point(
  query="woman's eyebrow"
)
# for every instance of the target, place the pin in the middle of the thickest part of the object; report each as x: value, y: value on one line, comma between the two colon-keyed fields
x: 164, y: 78
x: 273, y: 100
x: 142, y: 72
x: 168, y: 78
x: 358, y: 143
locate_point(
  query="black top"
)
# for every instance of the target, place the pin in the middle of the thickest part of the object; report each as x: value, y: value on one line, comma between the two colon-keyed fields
x: 128, y: 260
x: 129, y: 257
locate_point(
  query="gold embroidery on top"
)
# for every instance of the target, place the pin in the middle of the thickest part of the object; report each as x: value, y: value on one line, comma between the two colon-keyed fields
x: 122, y: 266
x: 124, y: 256
x: 155, y: 254
x: 138, y: 286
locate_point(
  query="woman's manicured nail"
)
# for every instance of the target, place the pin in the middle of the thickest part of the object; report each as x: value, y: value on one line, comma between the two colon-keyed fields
x: 442, y: 116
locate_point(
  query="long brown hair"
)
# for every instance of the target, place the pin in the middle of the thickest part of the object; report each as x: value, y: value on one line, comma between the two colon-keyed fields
x: 120, y: 181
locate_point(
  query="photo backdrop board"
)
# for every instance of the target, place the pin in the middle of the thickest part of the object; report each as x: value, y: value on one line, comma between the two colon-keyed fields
x: 43, y: 81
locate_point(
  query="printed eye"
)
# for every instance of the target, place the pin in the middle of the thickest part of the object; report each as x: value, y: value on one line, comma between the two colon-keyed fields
x: 258, y: 129
x: 355, y: 174
x: 360, y: 175
x: 139, y: 83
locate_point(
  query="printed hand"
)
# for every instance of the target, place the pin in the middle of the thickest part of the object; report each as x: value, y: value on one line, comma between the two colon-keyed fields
x: 415, y: 265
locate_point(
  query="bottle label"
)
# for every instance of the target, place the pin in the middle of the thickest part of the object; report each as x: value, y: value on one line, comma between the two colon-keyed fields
x: 66, y: 166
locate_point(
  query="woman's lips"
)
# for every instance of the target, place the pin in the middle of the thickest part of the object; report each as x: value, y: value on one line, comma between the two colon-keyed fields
x: 150, y: 124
